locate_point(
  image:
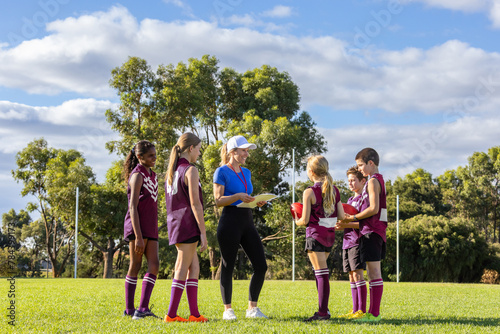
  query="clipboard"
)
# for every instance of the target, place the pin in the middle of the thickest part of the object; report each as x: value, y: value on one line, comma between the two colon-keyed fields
x: 259, y: 198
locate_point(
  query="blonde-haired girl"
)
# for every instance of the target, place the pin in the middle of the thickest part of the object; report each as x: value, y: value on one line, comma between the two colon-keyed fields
x: 322, y: 207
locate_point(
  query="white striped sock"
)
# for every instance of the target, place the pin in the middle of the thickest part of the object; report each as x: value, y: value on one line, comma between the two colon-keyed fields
x: 131, y: 280
x: 149, y: 280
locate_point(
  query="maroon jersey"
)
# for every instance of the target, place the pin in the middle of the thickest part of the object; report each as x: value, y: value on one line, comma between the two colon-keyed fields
x: 351, y: 235
x: 181, y: 222
x: 378, y: 222
x: 147, y: 207
x: 320, y: 227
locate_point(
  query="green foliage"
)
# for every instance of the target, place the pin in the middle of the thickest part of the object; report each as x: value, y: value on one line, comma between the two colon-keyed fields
x: 437, y: 249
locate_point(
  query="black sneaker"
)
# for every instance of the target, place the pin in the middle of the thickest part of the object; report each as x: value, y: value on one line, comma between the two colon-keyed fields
x: 143, y: 314
x: 125, y: 314
x: 316, y: 316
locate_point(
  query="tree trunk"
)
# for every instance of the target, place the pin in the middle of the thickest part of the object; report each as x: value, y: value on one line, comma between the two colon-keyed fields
x: 213, y: 264
x: 108, y: 259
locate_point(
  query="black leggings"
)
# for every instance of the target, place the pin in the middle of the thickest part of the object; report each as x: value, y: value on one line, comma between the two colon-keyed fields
x: 236, y: 228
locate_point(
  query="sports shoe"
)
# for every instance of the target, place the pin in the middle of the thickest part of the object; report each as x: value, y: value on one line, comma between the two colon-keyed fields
x: 357, y: 315
x: 201, y: 318
x: 125, y: 314
x: 347, y: 315
x: 255, y: 312
x: 317, y: 316
x: 369, y: 318
x: 143, y: 314
x: 175, y: 319
x: 228, y: 314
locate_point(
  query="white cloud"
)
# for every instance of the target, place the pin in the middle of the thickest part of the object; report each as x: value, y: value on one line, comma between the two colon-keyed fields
x: 279, y: 11
x: 404, y: 148
x: 79, y: 54
x: 492, y: 7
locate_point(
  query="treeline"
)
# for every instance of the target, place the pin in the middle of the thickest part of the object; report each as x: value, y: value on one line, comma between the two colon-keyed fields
x: 454, y: 215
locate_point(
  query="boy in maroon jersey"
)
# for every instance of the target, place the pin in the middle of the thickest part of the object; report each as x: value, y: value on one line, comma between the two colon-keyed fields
x: 372, y: 226
x: 350, y: 247
x: 141, y: 225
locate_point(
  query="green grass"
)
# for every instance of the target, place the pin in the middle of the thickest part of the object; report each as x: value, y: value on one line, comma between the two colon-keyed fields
x: 96, y: 306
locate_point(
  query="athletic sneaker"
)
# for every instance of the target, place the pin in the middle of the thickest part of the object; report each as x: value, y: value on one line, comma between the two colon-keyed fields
x: 125, y: 314
x: 255, y: 312
x: 357, y: 315
x: 347, y: 315
x: 228, y: 314
x: 143, y: 314
x: 369, y: 318
x: 201, y: 318
x: 175, y: 319
x: 317, y: 316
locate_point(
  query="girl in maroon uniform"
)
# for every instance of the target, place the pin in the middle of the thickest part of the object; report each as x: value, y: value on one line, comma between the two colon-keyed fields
x: 186, y: 224
x: 141, y: 225
x: 322, y: 207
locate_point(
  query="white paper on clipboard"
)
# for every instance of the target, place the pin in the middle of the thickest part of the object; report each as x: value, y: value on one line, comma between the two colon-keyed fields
x: 258, y: 198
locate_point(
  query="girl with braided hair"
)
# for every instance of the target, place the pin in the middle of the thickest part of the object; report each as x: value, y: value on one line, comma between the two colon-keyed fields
x: 141, y: 225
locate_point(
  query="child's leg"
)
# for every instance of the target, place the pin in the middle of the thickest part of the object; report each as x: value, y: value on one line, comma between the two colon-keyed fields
x: 376, y: 286
x: 192, y: 286
x: 148, y: 282
x: 361, y: 289
x: 318, y: 260
x: 131, y: 278
x: 185, y: 253
x: 354, y: 292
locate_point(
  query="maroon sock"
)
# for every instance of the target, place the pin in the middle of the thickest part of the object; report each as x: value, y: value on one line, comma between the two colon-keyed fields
x: 323, y: 290
x: 192, y: 296
x: 354, y: 294
x: 148, y: 283
x: 376, y: 290
x: 175, y: 297
x: 361, y: 287
x: 130, y: 285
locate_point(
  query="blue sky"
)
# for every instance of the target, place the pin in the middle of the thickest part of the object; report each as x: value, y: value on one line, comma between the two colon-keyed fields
x: 418, y: 80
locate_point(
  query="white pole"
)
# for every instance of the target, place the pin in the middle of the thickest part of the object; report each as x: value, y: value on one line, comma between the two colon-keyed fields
x: 397, y: 238
x: 293, y: 221
x: 76, y: 231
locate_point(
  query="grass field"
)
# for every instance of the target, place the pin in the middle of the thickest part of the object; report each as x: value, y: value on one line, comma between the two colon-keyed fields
x: 96, y: 306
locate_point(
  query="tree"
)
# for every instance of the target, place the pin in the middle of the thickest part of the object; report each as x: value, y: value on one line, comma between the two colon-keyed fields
x: 474, y: 191
x: 103, y: 225
x: 32, y: 164
x: 261, y: 104
x: 418, y: 194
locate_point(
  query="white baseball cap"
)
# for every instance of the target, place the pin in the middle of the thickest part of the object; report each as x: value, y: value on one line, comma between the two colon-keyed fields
x: 239, y: 142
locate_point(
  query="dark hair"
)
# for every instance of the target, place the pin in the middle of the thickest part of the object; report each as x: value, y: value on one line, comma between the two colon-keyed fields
x: 142, y: 147
x: 185, y: 141
x: 368, y: 154
x: 354, y: 171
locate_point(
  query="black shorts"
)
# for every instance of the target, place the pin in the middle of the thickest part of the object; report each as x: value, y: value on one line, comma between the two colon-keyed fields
x: 371, y: 247
x: 314, y: 245
x: 191, y: 240
x: 351, y: 259
x: 131, y: 237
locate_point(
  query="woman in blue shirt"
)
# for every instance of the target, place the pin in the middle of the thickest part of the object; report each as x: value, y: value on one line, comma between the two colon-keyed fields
x: 232, y: 186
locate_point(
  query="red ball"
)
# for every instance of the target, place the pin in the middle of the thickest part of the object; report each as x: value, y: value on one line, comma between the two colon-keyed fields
x: 296, y: 210
x: 349, y: 209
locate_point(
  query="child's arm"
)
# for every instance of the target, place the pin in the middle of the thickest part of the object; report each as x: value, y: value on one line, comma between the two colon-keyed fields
x: 342, y: 225
x: 308, y: 199
x: 192, y: 179
x: 373, y: 195
x: 136, y: 181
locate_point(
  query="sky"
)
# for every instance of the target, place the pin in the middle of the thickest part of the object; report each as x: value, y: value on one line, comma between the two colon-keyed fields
x: 418, y: 80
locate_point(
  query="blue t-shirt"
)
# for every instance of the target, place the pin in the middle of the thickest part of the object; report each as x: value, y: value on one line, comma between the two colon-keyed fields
x: 233, y: 184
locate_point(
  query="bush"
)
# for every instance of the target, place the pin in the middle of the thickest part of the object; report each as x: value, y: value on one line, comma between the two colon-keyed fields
x: 437, y: 249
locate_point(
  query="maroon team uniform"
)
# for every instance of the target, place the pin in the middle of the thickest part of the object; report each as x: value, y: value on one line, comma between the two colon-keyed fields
x: 147, y: 207
x: 181, y: 222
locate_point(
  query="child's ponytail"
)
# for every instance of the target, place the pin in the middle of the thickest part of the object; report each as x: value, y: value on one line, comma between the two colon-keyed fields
x: 131, y: 161
x: 319, y: 165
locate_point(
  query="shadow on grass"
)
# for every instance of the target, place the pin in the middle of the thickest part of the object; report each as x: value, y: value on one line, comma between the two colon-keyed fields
x: 483, y: 322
